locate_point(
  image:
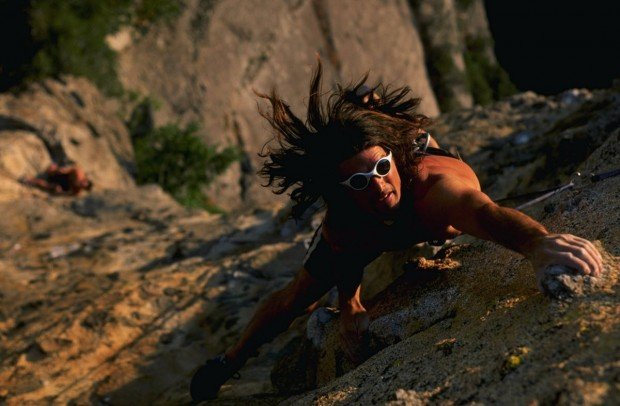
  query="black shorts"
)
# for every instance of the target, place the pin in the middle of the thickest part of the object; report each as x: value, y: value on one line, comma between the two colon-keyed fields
x: 60, y: 179
x: 323, y: 263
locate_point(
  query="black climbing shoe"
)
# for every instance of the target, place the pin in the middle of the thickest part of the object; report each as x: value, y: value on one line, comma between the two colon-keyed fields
x: 208, y: 379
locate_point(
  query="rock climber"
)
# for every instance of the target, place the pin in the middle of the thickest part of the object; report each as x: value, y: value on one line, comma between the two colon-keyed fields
x: 67, y: 180
x: 386, y: 185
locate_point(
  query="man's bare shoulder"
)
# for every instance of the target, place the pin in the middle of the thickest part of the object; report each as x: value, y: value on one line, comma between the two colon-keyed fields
x: 435, y: 169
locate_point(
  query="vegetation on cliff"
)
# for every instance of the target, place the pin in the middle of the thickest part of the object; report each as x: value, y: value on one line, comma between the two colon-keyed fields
x: 460, y: 61
x: 176, y: 158
x: 487, y: 81
x: 57, y: 37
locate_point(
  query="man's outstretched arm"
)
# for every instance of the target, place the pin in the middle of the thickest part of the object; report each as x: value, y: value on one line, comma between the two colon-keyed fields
x: 471, y: 211
x: 354, y: 319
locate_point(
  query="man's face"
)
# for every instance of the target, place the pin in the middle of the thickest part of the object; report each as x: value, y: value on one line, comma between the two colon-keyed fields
x: 382, y: 195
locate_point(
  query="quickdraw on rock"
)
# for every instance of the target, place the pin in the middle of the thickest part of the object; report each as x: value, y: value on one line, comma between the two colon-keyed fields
x: 547, y: 193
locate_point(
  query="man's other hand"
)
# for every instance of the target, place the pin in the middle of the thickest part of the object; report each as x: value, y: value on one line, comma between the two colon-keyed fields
x: 564, y: 249
x: 354, y: 324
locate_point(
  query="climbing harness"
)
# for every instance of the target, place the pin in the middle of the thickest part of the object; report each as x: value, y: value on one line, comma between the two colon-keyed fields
x: 421, y: 146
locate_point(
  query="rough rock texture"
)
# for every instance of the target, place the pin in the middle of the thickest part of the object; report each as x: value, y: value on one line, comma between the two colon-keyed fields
x: 205, y: 65
x: 62, y: 121
x: 530, y: 142
x: 117, y: 297
x: 502, y: 342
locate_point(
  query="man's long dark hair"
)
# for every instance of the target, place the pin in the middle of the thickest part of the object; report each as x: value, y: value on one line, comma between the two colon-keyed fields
x: 306, y: 155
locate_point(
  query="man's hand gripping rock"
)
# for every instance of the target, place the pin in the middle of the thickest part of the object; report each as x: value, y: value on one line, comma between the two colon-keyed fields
x: 567, y: 250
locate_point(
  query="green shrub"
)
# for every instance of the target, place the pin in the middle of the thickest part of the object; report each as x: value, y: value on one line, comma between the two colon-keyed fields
x: 487, y: 80
x: 148, y: 11
x: 178, y: 160
x: 444, y: 76
x: 70, y: 38
x: 478, y: 83
x: 464, y: 4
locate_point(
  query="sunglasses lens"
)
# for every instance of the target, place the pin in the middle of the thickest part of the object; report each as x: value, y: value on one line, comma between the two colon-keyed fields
x: 358, y: 182
x: 383, y: 167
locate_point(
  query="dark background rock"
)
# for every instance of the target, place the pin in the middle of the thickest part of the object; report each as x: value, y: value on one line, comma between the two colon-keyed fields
x: 556, y: 45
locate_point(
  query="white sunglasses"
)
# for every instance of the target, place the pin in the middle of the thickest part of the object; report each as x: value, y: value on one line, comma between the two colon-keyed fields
x: 361, y: 180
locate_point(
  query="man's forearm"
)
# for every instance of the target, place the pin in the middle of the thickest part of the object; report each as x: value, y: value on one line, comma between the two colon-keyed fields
x: 349, y: 288
x: 509, y: 227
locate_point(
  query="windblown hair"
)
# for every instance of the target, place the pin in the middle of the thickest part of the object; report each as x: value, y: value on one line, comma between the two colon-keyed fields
x: 306, y: 156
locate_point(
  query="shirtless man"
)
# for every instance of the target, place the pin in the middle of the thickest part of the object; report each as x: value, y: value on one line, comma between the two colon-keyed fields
x: 61, y: 180
x: 386, y: 186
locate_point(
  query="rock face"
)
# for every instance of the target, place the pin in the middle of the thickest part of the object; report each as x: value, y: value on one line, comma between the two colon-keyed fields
x: 62, y: 121
x: 205, y: 66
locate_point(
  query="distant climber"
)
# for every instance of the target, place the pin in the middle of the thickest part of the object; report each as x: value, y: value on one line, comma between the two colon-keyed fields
x: 67, y: 180
x: 387, y: 185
